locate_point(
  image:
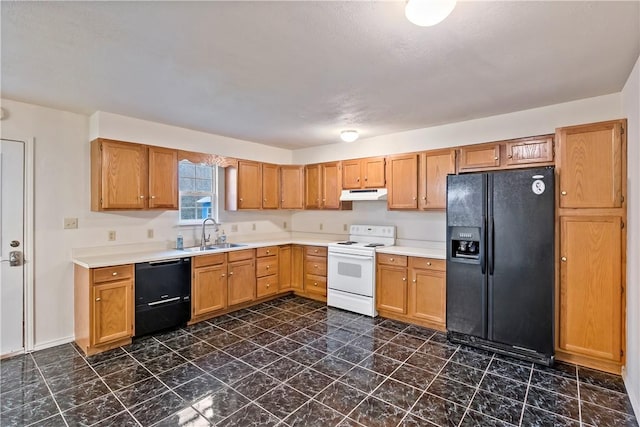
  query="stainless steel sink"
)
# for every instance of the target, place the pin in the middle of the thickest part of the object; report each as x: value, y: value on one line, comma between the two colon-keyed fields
x: 214, y: 247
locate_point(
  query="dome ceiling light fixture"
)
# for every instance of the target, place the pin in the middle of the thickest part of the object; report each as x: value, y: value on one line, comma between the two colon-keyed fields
x: 426, y: 13
x: 349, y: 135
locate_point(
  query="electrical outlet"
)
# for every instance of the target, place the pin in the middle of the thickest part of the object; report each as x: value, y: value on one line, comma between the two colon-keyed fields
x: 112, y: 235
x: 234, y: 227
x: 253, y: 226
x: 344, y: 227
x: 284, y: 225
x: 70, y: 223
x: 150, y: 233
x: 321, y: 226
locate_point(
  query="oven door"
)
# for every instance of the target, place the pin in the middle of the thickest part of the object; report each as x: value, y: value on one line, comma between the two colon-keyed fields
x: 351, y: 273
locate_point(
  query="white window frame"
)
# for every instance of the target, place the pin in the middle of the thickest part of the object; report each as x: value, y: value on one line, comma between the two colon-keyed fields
x: 214, y: 194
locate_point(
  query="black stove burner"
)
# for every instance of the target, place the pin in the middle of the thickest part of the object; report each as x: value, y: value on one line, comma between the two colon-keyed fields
x: 348, y: 242
x: 373, y: 245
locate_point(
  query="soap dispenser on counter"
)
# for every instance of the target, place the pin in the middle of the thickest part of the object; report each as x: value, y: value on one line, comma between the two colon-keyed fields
x: 179, y: 242
x: 222, y: 238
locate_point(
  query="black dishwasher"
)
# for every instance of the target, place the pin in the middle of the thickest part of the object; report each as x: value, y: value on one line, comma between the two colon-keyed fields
x: 163, y: 295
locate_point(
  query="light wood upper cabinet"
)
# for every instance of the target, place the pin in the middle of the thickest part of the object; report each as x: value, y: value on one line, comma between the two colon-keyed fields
x: 323, y: 185
x: 163, y: 178
x: 590, y: 165
x: 249, y: 185
x: 529, y: 151
x: 291, y: 187
x: 432, y: 179
x: 270, y: 186
x: 474, y: 157
x: 402, y: 181
x: 363, y: 173
x: 590, y: 299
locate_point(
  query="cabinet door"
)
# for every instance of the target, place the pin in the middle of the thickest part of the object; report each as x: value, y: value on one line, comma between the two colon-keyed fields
x: 590, y: 165
x: 270, y: 186
x: 402, y: 182
x: 209, y: 289
x: 112, y: 317
x: 434, y: 168
x: 538, y: 150
x: 312, y: 177
x: 373, y: 171
x: 291, y: 187
x: 163, y: 178
x: 242, y: 281
x: 124, y: 175
x: 249, y: 185
x: 351, y: 170
x: 391, y: 289
x: 284, y: 267
x: 297, y: 267
x: 427, y: 298
x: 479, y: 157
x: 331, y: 185
x: 590, y: 286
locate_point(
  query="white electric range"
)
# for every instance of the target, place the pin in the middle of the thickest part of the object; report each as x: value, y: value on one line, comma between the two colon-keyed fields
x: 351, y: 270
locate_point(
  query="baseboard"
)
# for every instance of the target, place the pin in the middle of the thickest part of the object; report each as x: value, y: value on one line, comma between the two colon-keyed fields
x: 632, y: 393
x: 53, y: 343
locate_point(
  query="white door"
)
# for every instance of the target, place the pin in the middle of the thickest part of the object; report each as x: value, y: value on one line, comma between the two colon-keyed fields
x: 12, y: 277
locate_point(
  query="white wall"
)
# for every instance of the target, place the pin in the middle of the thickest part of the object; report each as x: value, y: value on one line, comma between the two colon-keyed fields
x: 631, y: 110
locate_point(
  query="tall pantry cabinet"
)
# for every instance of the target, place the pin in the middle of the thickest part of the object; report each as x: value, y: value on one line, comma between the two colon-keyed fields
x: 590, y: 318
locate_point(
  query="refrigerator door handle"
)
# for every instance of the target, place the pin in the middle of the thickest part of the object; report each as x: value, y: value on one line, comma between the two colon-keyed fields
x: 492, y: 243
x: 482, y: 246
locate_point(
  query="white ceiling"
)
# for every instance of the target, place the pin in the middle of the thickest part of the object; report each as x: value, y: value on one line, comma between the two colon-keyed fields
x: 293, y: 73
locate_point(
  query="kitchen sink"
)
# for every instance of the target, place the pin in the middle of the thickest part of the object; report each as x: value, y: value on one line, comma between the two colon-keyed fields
x: 214, y: 247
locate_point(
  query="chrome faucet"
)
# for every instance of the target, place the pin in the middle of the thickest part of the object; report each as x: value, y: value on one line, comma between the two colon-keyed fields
x: 206, y: 238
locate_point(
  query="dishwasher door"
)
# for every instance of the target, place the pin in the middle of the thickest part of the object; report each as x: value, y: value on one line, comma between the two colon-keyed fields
x: 162, y: 295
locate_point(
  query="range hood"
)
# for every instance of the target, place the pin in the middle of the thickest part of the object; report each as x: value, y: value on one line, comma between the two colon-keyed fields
x: 366, y: 194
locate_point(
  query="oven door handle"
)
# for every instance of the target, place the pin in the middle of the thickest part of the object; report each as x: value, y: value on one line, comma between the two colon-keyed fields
x: 343, y: 255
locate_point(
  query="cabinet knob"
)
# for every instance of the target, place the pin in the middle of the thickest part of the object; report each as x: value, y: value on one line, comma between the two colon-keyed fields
x: 358, y: 179
x: 267, y: 251
x: 564, y: 193
x: 153, y: 197
x: 115, y: 273
x: 390, y: 259
x: 315, y: 251
x: 414, y: 280
x: 564, y: 259
x: 404, y: 279
x: 428, y: 263
x: 324, y: 200
x: 231, y: 273
x: 366, y: 179
x: 315, y: 266
x: 414, y: 197
x: 268, y: 285
x: 496, y: 158
x: 510, y: 156
x: 424, y: 197
x: 142, y: 197
x: 223, y: 275
x: 241, y: 199
x: 315, y: 283
x: 282, y: 201
x: 98, y: 299
x: 268, y: 267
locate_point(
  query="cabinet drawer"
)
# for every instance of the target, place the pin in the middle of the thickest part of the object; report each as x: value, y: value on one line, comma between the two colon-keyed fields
x: 266, y: 251
x: 315, y: 284
x: 315, y: 250
x: 266, y: 266
x: 315, y: 265
x: 400, y: 260
x: 267, y: 285
x: 206, y: 260
x: 428, y: 263
x: 240, y: 255
x: 106, y: 274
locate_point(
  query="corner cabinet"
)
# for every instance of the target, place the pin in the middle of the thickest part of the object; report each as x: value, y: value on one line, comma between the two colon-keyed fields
x: 591, y: 209
x: 103, y: 307
x: 129, y: 176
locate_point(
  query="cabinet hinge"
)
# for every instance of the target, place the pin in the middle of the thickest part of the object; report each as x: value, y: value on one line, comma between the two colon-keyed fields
x: 621, y: 224
x: 621, y: 130
x: 100, y: 147
x: 621, y: 199
x: 621, y: 353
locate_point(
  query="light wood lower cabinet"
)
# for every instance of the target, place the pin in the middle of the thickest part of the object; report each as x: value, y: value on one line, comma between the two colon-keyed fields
x: 590, y: 297
x: 412, y: 289
x: 314, y: 281
x: 284, y: 267
x: 103, y: 307
x: 297, y: 268
x: 209, y: 284
x: 267, y: 269
x: 242, y: 277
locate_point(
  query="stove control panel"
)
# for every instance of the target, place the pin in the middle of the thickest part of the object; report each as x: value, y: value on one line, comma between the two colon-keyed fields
x: 388, y: 231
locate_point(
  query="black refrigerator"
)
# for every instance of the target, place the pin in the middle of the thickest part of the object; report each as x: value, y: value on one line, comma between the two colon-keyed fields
x: 500, y: 262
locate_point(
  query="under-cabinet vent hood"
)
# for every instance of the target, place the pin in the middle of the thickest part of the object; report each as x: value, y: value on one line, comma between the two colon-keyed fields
x: 366, y: 194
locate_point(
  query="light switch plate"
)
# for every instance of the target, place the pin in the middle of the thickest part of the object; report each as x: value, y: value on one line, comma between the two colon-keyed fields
x: 112, y: 235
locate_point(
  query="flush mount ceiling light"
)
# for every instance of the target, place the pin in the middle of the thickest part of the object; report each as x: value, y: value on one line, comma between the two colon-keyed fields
x: 349, y: 135
x: 426, y: 13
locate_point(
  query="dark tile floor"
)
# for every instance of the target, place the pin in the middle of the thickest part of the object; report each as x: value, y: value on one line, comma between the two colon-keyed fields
x: 294, y: 362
